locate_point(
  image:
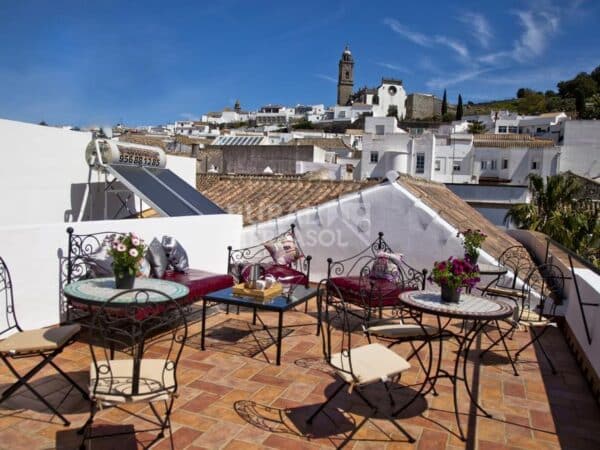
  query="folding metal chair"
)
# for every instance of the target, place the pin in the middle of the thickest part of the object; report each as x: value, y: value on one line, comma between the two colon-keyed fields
x: 43, y: 343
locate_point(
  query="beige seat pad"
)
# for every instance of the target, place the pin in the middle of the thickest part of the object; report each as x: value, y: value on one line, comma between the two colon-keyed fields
x: 506, y: 292
x: 370, y: 363
x: 41, y: 339
x: 156, y: 382
x: 401, y: 330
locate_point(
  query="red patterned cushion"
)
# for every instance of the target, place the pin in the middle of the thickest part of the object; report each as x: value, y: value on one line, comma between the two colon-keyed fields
x: 279, y: 271
x: 371, y: 292
x: 199, y: 282
x: 283, y: 249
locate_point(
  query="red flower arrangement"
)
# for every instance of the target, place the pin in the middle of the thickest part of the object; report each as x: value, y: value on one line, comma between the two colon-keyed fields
x: 455, y: 273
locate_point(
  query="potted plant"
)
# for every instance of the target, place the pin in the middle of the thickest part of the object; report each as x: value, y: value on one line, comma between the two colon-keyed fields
x: 127, y: 251
x: 472, y: 240
x: 452, y: 275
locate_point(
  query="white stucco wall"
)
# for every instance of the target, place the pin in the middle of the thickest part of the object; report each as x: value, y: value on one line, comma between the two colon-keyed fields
x: 581, y: 148
x: 44, y: 175
x: 32, y: 254
x: 344, y: 227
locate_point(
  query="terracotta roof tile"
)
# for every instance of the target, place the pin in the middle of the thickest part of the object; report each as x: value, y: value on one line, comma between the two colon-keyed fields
x: 324, y: 143
x: 510, y: 141
x: 260, y: 198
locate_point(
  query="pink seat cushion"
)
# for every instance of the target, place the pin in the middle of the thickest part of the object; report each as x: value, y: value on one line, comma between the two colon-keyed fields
x: 359, y: 291
x: 199, y: 282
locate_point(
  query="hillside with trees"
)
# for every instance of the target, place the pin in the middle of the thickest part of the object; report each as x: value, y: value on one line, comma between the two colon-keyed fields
x: 578, y: 97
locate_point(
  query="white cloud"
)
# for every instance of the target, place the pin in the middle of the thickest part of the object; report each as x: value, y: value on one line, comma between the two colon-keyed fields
x: 394, y: 67
x: 326, y: 78
x: 424, y: 40
x: 441, y: 82
x: 480, y: 27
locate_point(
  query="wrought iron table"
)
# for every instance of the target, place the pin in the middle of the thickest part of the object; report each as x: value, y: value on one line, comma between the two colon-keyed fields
x: 96, y: 291
x: 297, y: 295
x: 477, y: 311
x: 492, y: 270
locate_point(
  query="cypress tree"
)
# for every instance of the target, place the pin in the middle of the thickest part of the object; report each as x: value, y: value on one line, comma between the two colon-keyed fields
x: 444, y: 104
x: 459, y: 108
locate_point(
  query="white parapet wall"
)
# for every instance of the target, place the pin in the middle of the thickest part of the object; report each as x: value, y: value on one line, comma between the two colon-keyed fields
x: 341, y: 228
x: 33, y: 252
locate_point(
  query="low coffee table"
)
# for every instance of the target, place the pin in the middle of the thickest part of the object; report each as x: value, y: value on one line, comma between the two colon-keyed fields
x: 296, y: 295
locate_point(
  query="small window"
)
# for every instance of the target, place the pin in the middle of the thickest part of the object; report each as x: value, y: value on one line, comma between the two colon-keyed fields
x: 420, y: 163
x: 456, y: 166
x: 505, y: 163
x: 380, y: 130
x: 483, y: 165
x: 502, y: 129
x: 438, y: 165
x: 534, y: 165
x: 493, y: 164
x: 374, y: 157
x: 342, y: 115
x: 512, y: 129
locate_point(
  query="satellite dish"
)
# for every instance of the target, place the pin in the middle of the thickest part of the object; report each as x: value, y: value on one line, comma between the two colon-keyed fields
x: 107, y: 131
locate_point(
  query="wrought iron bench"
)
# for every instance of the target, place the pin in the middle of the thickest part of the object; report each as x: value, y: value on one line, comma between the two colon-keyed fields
x: 75, y: 266
x: 362, y: 287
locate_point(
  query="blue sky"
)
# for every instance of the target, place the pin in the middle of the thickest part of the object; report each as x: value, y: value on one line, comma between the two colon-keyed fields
x: 83, y: 62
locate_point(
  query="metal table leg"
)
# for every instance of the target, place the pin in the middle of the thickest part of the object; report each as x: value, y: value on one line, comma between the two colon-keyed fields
x: 203, y: 324
x: 279, y: 329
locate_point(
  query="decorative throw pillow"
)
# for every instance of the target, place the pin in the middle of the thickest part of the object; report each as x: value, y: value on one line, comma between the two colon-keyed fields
x: 157, y: 258
x: 176, y: 255
x: 283, y: 249
x: 145, y: 269
x: 99, y: 263
x: 386, y: 265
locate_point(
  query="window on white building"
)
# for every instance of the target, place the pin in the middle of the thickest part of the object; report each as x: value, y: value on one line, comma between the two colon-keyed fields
x: 493, y: 164
x: 374, y: 157
x: 534, y: 165
x: 456, y: 166
x: 379, y: 130
x: 438, y: 165
x: 512, y: 129
x: 342, y: 115
x: 420, y: 163
x: 483, y: 165
x: 505, y: 163
x: 502, y: 129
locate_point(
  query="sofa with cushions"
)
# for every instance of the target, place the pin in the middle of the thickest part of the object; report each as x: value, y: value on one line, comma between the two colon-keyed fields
x: 281, y: 257
x: 373, y: 279
x: 87, y: 258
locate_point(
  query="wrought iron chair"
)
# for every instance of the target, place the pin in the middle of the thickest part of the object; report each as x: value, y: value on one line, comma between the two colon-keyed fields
x: 519, y: 264
x: 135, y: 355
x: 356, y: 281
x: 549, y: 281
x: 43, y: 343
x: 296, y: 272
x: 357, y: 367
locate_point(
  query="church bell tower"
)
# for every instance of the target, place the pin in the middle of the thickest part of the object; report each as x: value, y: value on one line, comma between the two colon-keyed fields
x: 345, y: 78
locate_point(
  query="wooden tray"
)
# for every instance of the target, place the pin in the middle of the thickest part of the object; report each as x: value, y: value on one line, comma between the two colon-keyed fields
x: 273, y: 291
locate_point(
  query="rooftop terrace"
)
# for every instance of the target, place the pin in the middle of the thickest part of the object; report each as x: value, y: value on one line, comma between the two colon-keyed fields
x: 232, y: 396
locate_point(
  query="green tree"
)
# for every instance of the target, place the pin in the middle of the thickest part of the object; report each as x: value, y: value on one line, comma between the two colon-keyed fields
x: 582, y: 82
x: 459, y: 108
x: 524, y: 92
x: 477, y: 127
x: 444, y: 104
x: 533, y: 103
x: 557, y: 210
x: 596, y: 76
x: 580, y: 104
x: 593, y: 107
x: 303, y: 125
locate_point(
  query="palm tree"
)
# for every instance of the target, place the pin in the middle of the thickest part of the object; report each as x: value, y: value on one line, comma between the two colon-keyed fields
x: 556, y: 210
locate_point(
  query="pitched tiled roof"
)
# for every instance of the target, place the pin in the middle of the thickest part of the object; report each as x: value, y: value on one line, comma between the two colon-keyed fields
x: 143, y: 139
x: 260, y: 198
x: 458, y: 213
x: 324, y: 143
x: 510, y: 141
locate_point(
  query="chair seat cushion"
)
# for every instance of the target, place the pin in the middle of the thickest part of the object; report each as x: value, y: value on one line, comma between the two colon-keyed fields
x: 40, y: 340
x: 156, y: 382
x: 358, y: 290
x: 505, y: 292
x: 286, y: 274
x: 399, y: 330
x: 199, y: 282
x: 370, y: 363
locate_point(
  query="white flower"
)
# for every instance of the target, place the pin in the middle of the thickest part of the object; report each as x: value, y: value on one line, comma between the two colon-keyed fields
x: 121, y: 247
x: 135, y: 241
x: 133, y: 252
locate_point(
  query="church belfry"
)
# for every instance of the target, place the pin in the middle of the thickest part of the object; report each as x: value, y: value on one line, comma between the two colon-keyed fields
x: 345, y: 78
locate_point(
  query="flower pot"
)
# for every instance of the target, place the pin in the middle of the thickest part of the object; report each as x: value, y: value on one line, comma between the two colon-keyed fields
x: 450, y: 295
x: 124, y: 280
x: 473, y: 258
